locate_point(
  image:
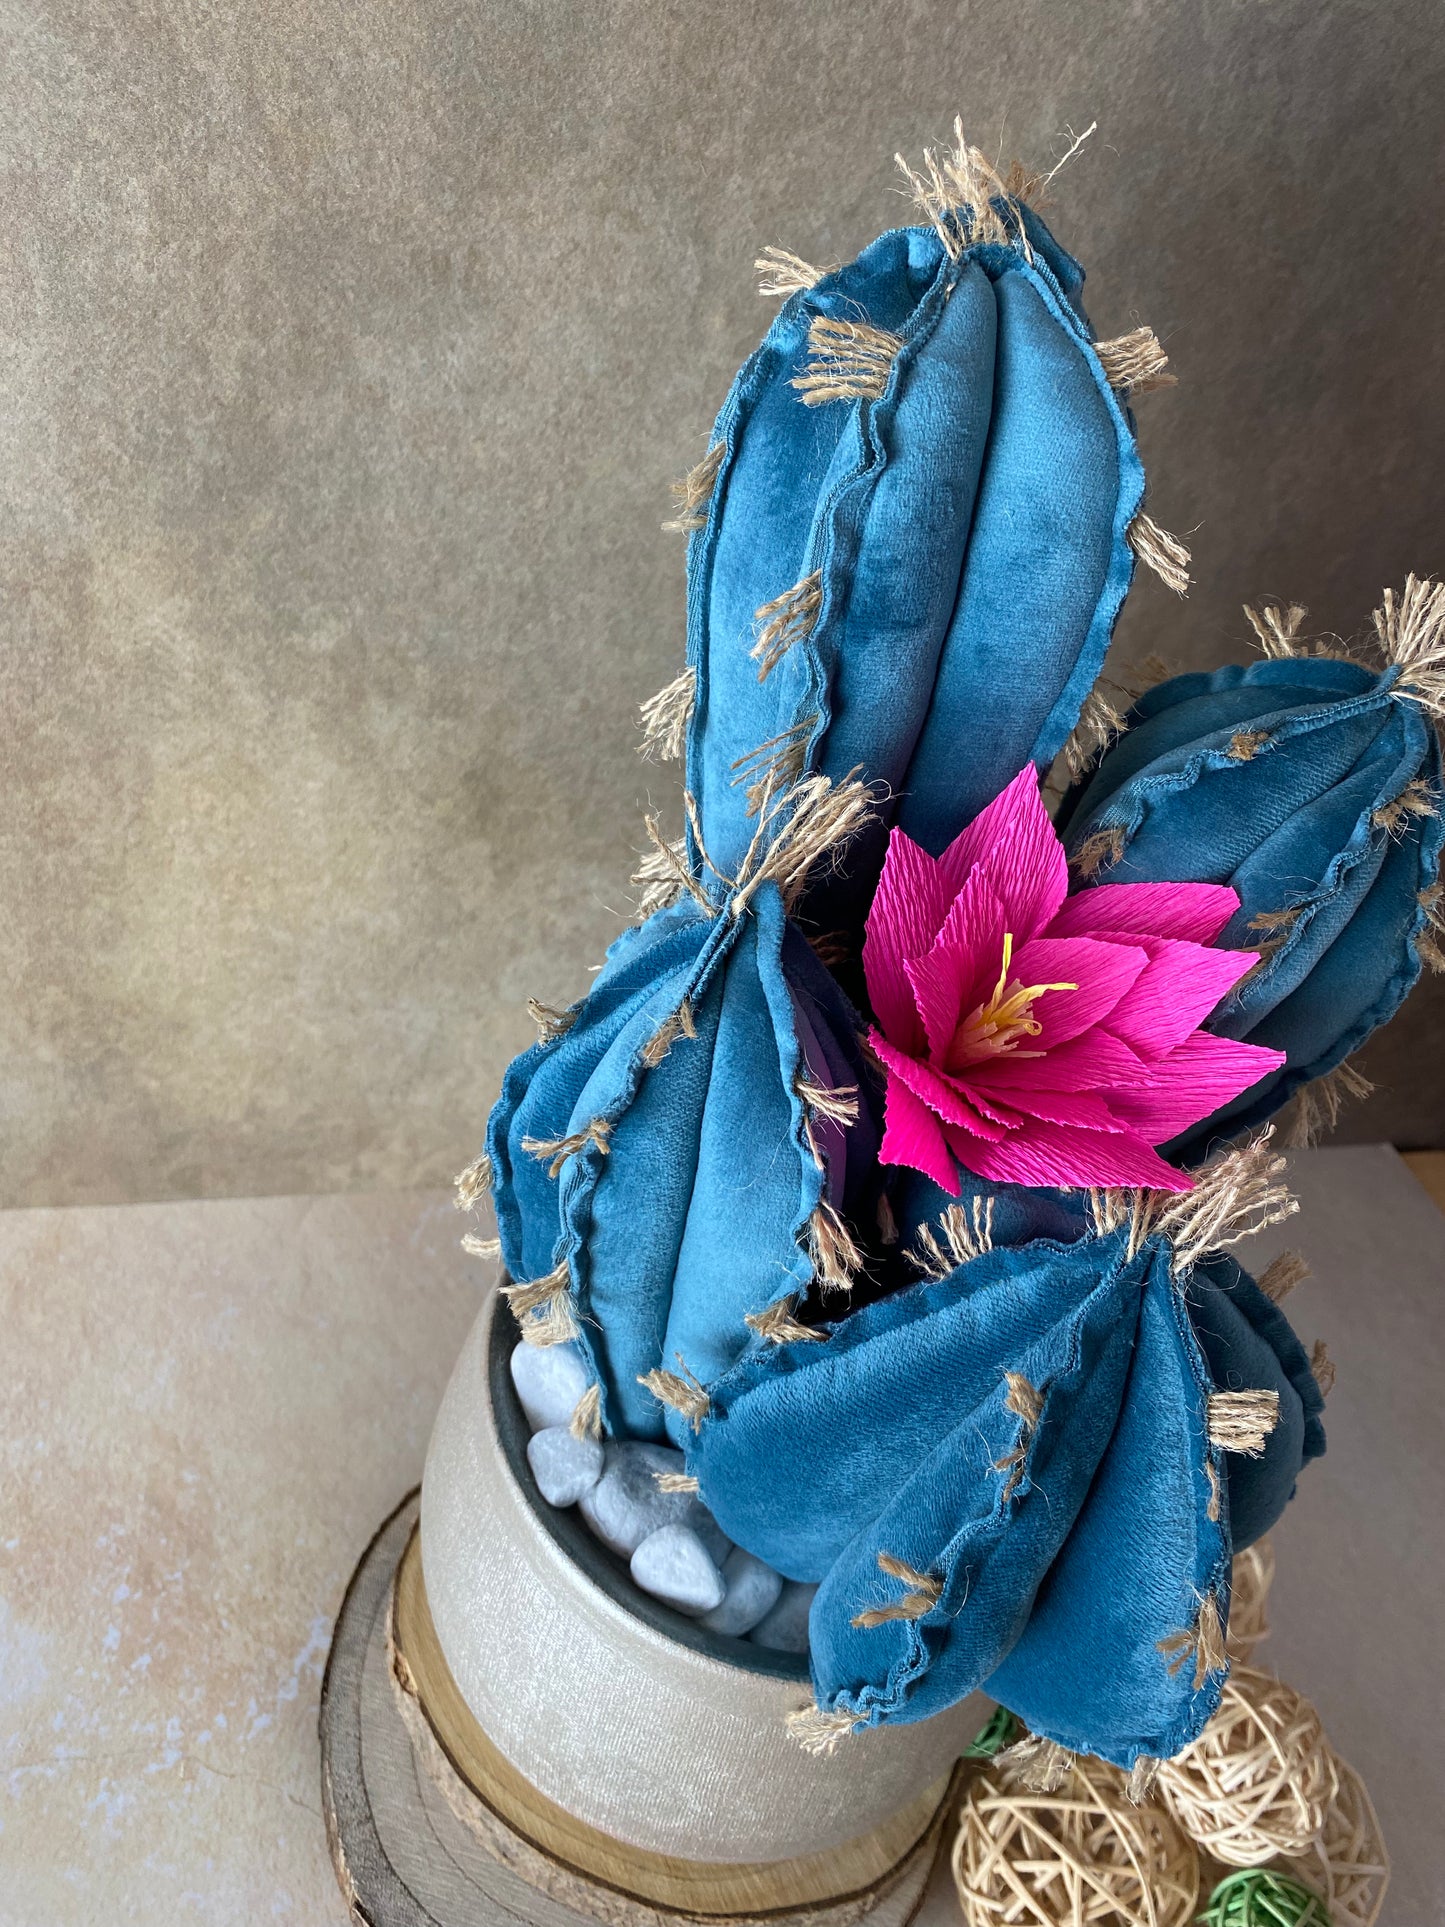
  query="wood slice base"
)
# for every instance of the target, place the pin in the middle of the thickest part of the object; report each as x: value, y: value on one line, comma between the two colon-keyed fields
x: 429, y: 1827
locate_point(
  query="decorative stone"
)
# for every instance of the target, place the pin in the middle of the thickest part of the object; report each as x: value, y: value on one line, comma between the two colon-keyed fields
x: 785, y: 1627
x: 753, y: 1590
x: 625, y: 1505
x: 549, y: 1380
x: 710, y: 1532
x: 563, y: 1467
x: 673, y: 1565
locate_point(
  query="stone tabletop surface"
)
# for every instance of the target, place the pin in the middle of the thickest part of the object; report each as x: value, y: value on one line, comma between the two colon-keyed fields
x: 207, y: 1409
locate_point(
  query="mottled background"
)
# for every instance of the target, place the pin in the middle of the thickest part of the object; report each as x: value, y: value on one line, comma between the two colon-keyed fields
x: 348, y: 350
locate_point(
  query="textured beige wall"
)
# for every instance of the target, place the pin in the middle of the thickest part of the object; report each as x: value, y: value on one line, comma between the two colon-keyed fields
x: 347, y: 352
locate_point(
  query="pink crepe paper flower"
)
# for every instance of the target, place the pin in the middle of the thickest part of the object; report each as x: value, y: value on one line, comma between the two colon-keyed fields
x: 1039, y: 1038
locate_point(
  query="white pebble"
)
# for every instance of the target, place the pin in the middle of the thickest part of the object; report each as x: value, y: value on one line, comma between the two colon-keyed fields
x: 753, y: 1590
x: 549, y: 1380
x: 564, y: 1468
x: 710, y: 1532
x: 625, y: 1505
x: 673, y: 1565
x: 785, y: 1627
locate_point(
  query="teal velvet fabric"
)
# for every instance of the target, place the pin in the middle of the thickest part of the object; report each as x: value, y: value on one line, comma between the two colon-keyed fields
x: 1273, y: 779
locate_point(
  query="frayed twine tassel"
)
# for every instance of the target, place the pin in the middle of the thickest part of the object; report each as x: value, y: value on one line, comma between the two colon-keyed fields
x: 1139, y: 1787
x: 693, y: 493
x: 1135, y: 363
x: 1245, y: 745
x: 586, y: 1419
x: 1323, y: 1367
x: 1410, y: 628
x: 538, y: 1292
x: 1204, y: 1642
x: 476, y: 1247
x: 1101, y: 723
x: 924, y: 1592
x: 1276, y: 628
x: 847, y: 361
x: 1316, y: 1107
x: 664, y: 876
x: 1282, y: 1274
x: 957, y: 191
x: 967, y: 1233
x: 1041, y: 1766
x: 1430, y: 943
x: 675, y: 1482
x: 787, y: 619
x: 1233, y: 1198
x: 1100, y: 850
x: 1242, y: 1421
x: 1269, y: 932
x: 473, y: 1184
x: 775, y: 765
x: 777, y: 1324
x: 1026, y: 1403
x: 837, y: 1103
x: 1213, y: 1504
x: 551, y: 1024
x: 836, y: 1258
x: 887, y: 1223
x: 680, y: 1390
x: 559, y: 1149
x: 1416, y: 801
x: 818, y: 1732
x: 543, y: 1308
x: 781, y: 273
x: 1160, y: 551
x: 797, y: 831
x: 679, y: 1024
x: 665, y: 718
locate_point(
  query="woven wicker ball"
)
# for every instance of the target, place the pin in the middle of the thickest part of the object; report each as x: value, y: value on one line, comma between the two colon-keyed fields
x: 1347, y: 1861
x: 1260, y: 1897
x: 1249, y: 1600
x: 1083, y: 1856
x: 1260, y: 1778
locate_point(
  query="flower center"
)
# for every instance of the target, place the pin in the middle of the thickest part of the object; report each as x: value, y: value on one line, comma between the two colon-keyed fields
x: 997, y: 1026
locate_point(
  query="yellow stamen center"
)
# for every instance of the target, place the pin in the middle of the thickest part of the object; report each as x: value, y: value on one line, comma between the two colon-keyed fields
x: 998, y: 1026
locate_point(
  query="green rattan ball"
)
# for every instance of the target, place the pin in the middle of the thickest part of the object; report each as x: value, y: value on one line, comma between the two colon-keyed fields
x: 1255, y: 1897
x: 1000, y: 1729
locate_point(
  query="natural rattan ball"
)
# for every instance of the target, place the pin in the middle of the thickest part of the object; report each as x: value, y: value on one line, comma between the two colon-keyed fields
x: 1083, y: 1856
x: 1249, y: 1600
x: 1347, y: 1861
x: 1259, y: 1779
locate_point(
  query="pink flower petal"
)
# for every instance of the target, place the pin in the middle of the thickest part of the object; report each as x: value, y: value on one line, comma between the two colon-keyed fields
x: 1085, y: 1109
x: 1048, y: 1154
x: 908, y: 907
x: 941, y: 1094
x: 1104, y: 972
x: 1180, y: 987
x: 1094, y: 1061
x: 912, y: 1135
x: 1196, y: 912
x: 961, y: 969
x: 1016, y: 849
x: 1191, y: 1082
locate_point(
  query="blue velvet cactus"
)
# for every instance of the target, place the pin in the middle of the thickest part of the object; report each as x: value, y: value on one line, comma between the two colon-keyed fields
x: 867, y: 1196
x: 1310, y: 783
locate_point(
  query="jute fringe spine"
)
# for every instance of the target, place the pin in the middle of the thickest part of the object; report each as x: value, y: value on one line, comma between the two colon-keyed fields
x: 1245, y: 745
x: 1212, y: 1504
x: 664, y: 874
x: 558, y: 1149
x: 693, y: 493
x: 1143, y: 1777
x: 775, y: 765
x: 679, y: 1024
x: 1026, y: 1403
x: 1430, y: 943
x: 1040, y: 1765
x: 967, y: 1233
x: 783, y: 273
x: 1275, y: 627
x: 1323, y: 1367
x: 680, y: 1390
x: 537, y: 1293
x: 837, y: 1103
x: 473, y: 1184
x: 674, y: 1482
x: 787, y: 619
x: 1204, y: 1642
x: 1100, y: 724
x: 924, y: 1591
x: 1236, y: 1196
x: 1160, y: 551
x: 887, y: 1223
x: 797, y: 832
x: 586, y: 1419
x: 848, y: 361
x: 551, y: 1024
x: 1100, y: 851
x: 1282, y: 1274
x: 1242, y: 1421
x: 476, y: 1247
x: 1411, y: 632
x: 836, y: 1258
x: 1414, y: 803
x: 819, y: 1733
x: 1135, y: 363
x: 777, y: 1324
x: 957, y: 192
x: 665, y: 718
x: 1316, y: 1106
